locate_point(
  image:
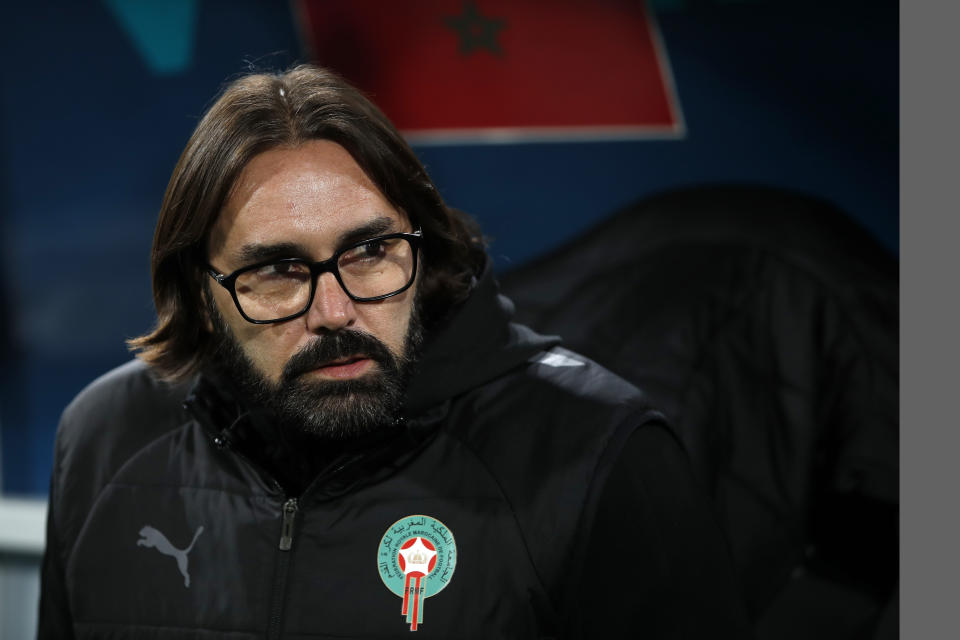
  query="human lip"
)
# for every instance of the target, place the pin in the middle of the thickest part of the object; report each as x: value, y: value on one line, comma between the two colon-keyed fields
x: 345, y: 368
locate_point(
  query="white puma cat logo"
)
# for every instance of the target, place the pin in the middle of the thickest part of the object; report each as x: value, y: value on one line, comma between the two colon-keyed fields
x: 153, y: 538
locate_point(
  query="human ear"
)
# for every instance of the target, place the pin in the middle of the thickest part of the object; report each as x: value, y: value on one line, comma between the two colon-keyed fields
x: 206, y: 309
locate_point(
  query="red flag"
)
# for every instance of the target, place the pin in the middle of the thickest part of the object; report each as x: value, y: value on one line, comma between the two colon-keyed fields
x: 501, y: 69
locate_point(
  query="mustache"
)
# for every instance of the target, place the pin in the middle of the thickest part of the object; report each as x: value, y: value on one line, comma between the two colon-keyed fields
x: 337, y: 346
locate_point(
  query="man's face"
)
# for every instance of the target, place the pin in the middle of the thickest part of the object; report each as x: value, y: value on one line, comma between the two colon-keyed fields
x: 333, y: 367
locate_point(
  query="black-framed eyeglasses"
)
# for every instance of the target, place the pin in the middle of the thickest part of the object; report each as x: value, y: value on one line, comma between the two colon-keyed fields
x: 278, y: 290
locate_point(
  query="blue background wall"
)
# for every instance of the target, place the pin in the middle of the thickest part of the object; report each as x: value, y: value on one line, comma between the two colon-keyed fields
x: 99, y: 97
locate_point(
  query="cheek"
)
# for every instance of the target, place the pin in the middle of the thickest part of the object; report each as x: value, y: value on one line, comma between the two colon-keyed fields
x: 388, y: 320
x: 269, y: 347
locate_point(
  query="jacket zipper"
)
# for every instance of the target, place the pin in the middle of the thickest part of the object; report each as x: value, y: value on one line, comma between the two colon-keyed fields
x: 287, y: 520
x: 290, y: 507
x: 286, y: 532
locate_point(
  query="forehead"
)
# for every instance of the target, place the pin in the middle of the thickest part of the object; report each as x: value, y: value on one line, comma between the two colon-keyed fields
x: 311, y: 196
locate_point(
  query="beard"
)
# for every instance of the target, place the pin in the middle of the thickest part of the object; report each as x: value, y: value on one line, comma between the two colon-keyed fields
x: 321, y: 408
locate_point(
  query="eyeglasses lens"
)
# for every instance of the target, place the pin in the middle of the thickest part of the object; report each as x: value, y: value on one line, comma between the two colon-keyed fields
x: 373, y: 269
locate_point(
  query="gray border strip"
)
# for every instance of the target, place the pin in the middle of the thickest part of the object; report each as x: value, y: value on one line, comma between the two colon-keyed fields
x: 930, y: 320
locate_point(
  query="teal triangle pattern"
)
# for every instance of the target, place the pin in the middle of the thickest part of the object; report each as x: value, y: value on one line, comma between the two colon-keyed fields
x: 162, y: 31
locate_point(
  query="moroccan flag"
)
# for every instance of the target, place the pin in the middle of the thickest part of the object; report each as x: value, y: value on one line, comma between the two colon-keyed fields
x: 501, y: 69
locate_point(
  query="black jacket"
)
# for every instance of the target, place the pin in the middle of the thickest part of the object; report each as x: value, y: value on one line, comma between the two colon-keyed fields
x: 556, y: 501
x: 763, y: 323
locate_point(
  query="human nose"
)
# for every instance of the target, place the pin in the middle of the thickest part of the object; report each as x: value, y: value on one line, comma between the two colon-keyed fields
x: 331, y: 308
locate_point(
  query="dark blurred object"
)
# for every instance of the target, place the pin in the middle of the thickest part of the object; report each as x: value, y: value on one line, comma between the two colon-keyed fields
x: 764, y: 323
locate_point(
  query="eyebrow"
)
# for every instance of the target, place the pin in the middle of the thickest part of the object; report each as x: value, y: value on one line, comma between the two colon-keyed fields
x: 376, y: 227
x: 256, y: 252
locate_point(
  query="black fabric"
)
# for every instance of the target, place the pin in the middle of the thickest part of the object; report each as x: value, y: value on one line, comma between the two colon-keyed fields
x: 479, y: 343
x: 680, y: 575
x: 507, y: 439
x: 764, y: 324
x: 54, y: 612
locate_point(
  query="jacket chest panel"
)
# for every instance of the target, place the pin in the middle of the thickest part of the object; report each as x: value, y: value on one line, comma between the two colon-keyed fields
x: 175, y: 558
x: 347, y: 578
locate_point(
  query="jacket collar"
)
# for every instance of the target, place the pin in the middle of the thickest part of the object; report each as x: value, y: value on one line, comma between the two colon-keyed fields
x: 476, y: 344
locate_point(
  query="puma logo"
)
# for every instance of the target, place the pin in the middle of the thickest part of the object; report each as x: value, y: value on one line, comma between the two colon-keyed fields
x: 153, y: 538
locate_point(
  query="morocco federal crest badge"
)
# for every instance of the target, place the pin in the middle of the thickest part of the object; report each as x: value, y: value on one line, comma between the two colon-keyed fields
x: 416, y: 559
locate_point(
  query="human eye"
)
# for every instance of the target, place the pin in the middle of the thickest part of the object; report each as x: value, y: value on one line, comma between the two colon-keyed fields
x: 368, y: 253
x: 282, y: 271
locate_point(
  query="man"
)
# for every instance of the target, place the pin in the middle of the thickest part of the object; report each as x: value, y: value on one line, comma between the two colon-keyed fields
x: 335, y: 431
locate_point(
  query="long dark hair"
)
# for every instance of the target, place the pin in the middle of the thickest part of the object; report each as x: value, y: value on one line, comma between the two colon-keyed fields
x: 259, y: 112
